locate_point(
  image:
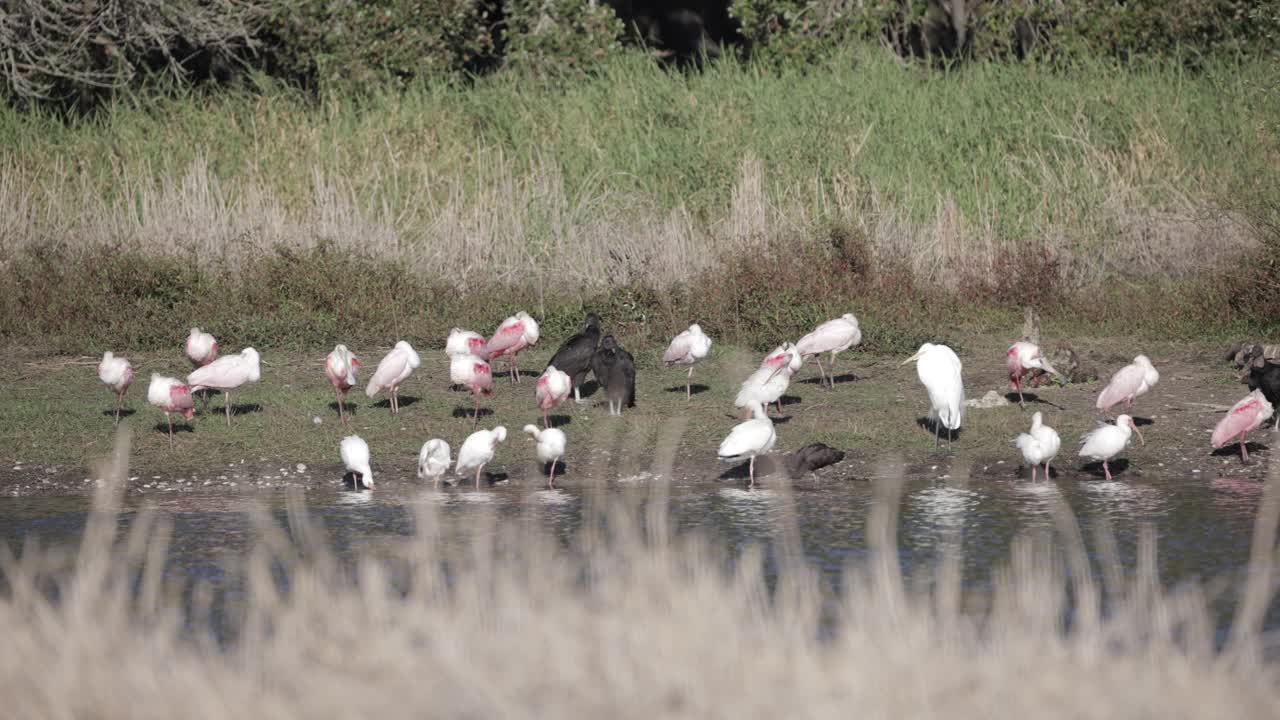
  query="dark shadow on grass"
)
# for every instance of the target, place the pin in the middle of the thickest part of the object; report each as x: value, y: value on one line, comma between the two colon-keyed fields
x: 588, y: 388
x: 1117, y: 466
x: 124, y: 412
x: 1030, y: 398
x: 163, y: 428
x: 402, y: 401
x: 242, y: 409
x: 466, y: 411
x: 559, y: 420
x: 1143, y: 422
x: 350, y: 407
x: 841, y: 378
x: 694, y: 389
x: 1232, y: 449
x: 933, y: 426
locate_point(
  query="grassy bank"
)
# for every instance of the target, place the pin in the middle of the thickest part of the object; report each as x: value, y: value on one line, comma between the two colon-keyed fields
x: 657, y: 194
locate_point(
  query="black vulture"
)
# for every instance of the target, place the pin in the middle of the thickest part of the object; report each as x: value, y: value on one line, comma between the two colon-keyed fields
x: 1265, y: 376
x: 615, y: 369
x: 575, y: 354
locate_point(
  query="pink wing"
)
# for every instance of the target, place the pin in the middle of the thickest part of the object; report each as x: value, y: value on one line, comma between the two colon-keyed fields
x: 542, y: 394
x: 1123, y: 385
x: 1013, y: 363
x: 482, y: 379
x: 391, y: 367
x: 477, y: 345
x: 774, y: 361
x: 180, y: 399
x: 1246, y: 415
x: 227, y: 373
x: 679, y: 348
x: 508, y: 337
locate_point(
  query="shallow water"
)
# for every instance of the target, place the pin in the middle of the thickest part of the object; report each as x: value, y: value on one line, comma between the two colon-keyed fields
x: 1203, y: 527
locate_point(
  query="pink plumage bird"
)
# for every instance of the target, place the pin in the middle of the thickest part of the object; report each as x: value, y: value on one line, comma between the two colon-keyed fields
x: 340, y: 367
x: 201, y: 348
x: 1243, y: 417
x: 1128, y: 383
x: 514, y: 334
x: 116, y: 373
x: 394, y: 368
x: 833, y: 336
x: 552, y: 388
x: 171, y: 396
x: 1023, y: 357
x: 227, y: 373
x: 687, y: 348
x: 463, y: 342
x: 475, y: 374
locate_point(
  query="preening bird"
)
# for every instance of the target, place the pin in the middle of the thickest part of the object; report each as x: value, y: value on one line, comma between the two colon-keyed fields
x: 550, y: 447
x: 201, y: 349
x: 575, y: 354
x: 514, y: 334
x: 1265, y: 376
x: 1023, y: 357
x: 551, y: 389
x: 1039, y: 445
x: 1107, y: 441
x: 433, y: 460
x: 770, y: 381
x: 171, y: 396
x: 833, y: 336
x: 1128, y: 383
x: 1243, y: 417
x: 687, y: 348
x: 939, y: 369
x: 116, y: 373
x: 475, y: 374
x: 226, y: 374
x: 748, y: 439
x: 392, y: 370
x: 615, y: 369
x: 355, y: 455
x: 340, y: 367
x: 463, y: 342
x: 478, y: 449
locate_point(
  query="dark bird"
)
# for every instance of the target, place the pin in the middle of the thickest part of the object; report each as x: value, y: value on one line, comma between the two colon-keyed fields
x: 812, y: 457
x: 576, y: 354
x: 1265, y: 376
x: 615, y: 369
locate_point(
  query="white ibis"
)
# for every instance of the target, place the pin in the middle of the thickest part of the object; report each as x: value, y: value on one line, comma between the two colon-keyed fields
x: 1107, y: 441
x: 478, y: 450
x: 355, y: 456
x: 1039, y: 445
x: 550, y: 447
x: 434, y: 460
x: 748, y: 439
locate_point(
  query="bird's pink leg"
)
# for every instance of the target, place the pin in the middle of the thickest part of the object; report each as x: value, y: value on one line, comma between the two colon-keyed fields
x: 169, y: 418
x: 1244, y: 454
x: 1033, y: 473
x: 515, y: 367
x: 478, y: 470
x: 341, y: 415
x: 821, y: 372
x: 475, y: 417
x: 751, y: 472
x: 779, y: 406
x: 1046, y: 470
x: 226, y: 401
x: 119, y: 403
x: 1106, y: 470
x: 1017, y: 384
x: 551, y: 482
x: 688, y: 385
x: 546, y: 421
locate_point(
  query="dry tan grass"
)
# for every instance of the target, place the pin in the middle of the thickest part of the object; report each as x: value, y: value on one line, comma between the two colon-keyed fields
x: 656, y: 626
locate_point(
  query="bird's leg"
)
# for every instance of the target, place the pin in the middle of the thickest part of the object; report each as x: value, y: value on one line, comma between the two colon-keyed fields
x: 226, y: 403
x: 551, y: 482
x: 1106, y: 470
x: 475, y: 416
x: 1244, y: 454
x: 1033, y: 473
x: 1017, y: 385
x: 1046, y: 471
x: 688, y: 385
x: 546, y: 421
x: 577, y: 396
x: 779, y: 406
x: 821, y: 372
x: 515, y: 368
x: 937, y: 430
x: 478, y: 471
x: 169, y: 418
x: 119, y: 402
x: 751, y: 472
x: 341, y: 415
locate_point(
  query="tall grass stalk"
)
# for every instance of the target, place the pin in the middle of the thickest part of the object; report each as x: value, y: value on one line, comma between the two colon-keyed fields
x: 630, y: 621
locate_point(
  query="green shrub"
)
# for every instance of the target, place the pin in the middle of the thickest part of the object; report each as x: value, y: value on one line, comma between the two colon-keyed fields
x: 559, y: 36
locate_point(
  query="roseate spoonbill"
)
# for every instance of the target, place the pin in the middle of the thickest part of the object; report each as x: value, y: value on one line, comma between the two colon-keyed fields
x: 355, y: 455
x: 615, y: 369
x: 550, y: 447
x: 434, y: 460
x: 340, y: 366
x: 1023, y: 357
x: 1243, y: 417
x: 464, y: 342
x: 478, y: 449
x: 1128, y: 383
x: 514, y: 334
x: 226, y: 374
x: 748, y: 439
x: 171, y: 396
x: 939, y: 371
x: 201, y: 349
x: 687, y: 348
x: 475, y: 374
x: 770, y: 381
x: 575, y: 354
x: 392, y: 370
x: 1106, y: 441
x: 833, y: 336
x: 1039, y: 445
x: 116, y: 373
x: 1265, y: 376
x: 551, y: 389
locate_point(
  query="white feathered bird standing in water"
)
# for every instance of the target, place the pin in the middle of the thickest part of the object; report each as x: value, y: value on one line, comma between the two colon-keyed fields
x: 748, y: 439
x: 1039, y: 445
x: 355, y: 456
x: 833, y: 336
x: 939, y: 371
x: 227, y: 373
x: 550, y: 447
x: 687, y: 348
x: 340, y: 367
x: 478, y: 450
x: 394, y: 368
x: 1107, y: 441
x: 433, y: 460
x: 116, y: 373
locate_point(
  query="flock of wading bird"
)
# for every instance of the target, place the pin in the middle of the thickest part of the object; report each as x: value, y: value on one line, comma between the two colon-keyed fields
x: 470, y: 355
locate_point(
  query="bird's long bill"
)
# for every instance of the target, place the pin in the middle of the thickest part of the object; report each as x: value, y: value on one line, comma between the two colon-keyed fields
x: 910, y: 359
x: 1062, y: 379
x: 1134, y: 425
x: 775, y: 372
